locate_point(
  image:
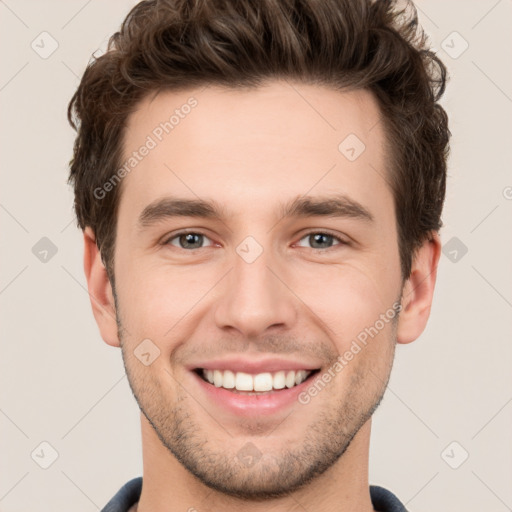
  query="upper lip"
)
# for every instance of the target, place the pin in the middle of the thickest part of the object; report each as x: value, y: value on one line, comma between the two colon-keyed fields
x: 237, y: 364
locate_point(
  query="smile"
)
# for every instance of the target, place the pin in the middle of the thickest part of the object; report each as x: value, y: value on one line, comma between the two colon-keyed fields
x: 258, y: 383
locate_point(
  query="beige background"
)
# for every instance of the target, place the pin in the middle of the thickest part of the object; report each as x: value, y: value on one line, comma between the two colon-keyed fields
x: 59, y: 382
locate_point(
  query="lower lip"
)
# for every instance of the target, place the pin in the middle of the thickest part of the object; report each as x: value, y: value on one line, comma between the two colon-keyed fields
x: 253, y: 405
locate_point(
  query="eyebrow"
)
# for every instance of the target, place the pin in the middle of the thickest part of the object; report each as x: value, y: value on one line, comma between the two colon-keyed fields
x: 338, y: 206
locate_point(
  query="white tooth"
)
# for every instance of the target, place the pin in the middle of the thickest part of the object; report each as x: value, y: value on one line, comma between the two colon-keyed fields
x: 217, y: 378
x: 263, y: 382
x: 279, y: 380
x: 290, y: 379
x: 244, y: 382
x: 228, y: 380
x: 300, y: 376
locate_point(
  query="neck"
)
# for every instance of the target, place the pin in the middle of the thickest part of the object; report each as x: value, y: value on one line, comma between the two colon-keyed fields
x: 169, y: 487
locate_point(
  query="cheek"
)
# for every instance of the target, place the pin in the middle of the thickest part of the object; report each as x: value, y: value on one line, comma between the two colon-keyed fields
x: 156, y: 298
x: 348, y: 297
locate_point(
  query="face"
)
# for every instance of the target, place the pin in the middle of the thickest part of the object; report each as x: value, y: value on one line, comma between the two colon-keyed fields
x: 294, y: 258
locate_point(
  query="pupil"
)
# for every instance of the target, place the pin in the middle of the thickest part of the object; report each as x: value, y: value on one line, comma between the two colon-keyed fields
x: 189, y: 239
x: 318, y: 238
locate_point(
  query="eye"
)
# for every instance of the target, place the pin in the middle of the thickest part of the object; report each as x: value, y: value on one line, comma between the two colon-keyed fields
x: 322, y: 240
x: 194, y: 240
x: 188, y: 240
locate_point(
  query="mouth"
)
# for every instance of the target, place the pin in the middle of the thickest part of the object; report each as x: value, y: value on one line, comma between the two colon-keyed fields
x: 266, y: 383
x: 252, y: 389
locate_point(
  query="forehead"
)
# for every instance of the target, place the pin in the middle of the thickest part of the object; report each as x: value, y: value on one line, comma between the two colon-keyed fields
x: 252, y: 149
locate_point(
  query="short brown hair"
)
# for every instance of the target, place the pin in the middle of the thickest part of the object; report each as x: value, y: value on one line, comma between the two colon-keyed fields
x: 343, y: 44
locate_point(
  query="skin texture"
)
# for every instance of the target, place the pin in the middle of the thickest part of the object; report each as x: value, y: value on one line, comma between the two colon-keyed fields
x: 252, y: 151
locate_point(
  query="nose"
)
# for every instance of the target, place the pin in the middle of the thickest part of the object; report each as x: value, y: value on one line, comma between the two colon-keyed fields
x: 255, y: 298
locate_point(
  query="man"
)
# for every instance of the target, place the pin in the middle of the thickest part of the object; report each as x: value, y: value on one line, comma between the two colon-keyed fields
x: 260, y: 186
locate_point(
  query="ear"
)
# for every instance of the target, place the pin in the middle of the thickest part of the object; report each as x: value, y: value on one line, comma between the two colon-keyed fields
x: 100, y: 290
x: 418, y: 290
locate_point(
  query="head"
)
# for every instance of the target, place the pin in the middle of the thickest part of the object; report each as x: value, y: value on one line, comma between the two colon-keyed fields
x: 275, y: 114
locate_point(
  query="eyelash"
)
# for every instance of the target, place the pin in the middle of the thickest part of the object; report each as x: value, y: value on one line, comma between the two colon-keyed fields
x: 335, y: 237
